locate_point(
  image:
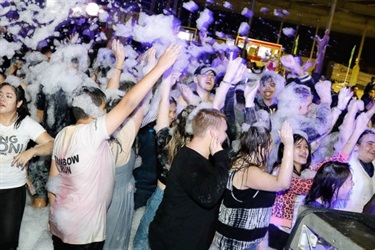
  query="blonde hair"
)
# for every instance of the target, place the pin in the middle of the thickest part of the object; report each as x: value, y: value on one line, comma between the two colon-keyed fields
x: 206, y: 118
x: 180, y: 137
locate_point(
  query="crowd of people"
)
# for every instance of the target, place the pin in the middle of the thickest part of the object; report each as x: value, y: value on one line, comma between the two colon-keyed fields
x: 221, y: 155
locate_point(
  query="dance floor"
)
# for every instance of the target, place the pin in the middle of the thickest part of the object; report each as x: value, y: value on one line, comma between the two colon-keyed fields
x: 34, y: 233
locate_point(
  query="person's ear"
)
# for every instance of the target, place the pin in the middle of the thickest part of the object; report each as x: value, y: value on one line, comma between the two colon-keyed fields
x: 19, y: 103
x: 213, y: 133
x: 195, y: 79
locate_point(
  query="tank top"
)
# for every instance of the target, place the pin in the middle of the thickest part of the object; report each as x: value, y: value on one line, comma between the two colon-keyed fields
x: 244, y: 216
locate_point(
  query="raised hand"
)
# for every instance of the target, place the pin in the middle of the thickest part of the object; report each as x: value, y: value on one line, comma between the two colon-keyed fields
x: 118, y: 50
x: 288, y: 61
x: 322, y: 42
x: 170, y: 77
x: 355, y: 106
x: 324, y: 91
x: 361, y: 122
x: 286, y: 134
x: 250, y: 92
x: 73, y: 39
x: 188, y: 95
x: 235, y: 70
x: 345, y: 95
x: 170, y: 55
x: 215, y: 145
x: 149, y: 60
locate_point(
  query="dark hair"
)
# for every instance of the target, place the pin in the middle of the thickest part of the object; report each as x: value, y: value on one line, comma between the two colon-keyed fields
x: 353, y: 87
x: 296, y: 138
x: 302, y: 92
x: 126, y: 85
x: 366, y: 132
x: 22, y: 111
x: 255, y: 145
x: 327, y: 182
x: 111, y: 102
x: 265, y: 78
x: 46, y: 49
x: 172, y: 101
x: 97, y: 96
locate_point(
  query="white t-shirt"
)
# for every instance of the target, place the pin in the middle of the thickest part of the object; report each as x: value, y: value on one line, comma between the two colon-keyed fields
x: 86, y: 175
x: 363, y: 189
x: 13, y: 142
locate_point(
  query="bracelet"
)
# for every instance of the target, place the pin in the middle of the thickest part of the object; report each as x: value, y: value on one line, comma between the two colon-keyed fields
x: 226, y: 82
x: 119, y: 69
x: 338, y: 109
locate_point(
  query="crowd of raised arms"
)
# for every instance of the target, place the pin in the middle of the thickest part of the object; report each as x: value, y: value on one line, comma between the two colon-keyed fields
x: 221, y: 153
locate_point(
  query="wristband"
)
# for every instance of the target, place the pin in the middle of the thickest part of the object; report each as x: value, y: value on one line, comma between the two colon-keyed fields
x: 119, y: 69
x: 226, y: 82
x: 231, y: 84
x: 339, y: 109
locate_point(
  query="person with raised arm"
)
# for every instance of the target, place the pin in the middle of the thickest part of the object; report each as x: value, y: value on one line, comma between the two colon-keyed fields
x: 246, y: 208
x: 82, y: 170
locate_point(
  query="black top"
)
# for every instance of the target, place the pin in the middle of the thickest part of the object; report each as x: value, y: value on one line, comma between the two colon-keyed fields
x: 57, y: 112
x: 260, y: 105
x: 187, y: 214
x: 368, y: 167
x: 162, y: 139
x: 244, y: 216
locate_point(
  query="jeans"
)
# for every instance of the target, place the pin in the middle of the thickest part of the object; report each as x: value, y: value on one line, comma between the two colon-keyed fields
x: 145, y: 176
x: 141, y: 236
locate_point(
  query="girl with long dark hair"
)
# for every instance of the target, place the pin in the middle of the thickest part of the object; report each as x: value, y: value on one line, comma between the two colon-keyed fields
x: 332, y: 182
x: 16, y: 130
x: 287, y: 201
x: 246, y: 208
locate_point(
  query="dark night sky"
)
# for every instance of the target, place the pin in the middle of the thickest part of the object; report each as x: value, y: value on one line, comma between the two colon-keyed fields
x: 340, y: 45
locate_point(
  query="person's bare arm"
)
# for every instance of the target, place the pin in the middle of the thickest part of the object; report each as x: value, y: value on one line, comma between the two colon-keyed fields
x: 347, y: 127
x: 44, y: 147
x: 136, y: 94
x: 257, y: 179
x: 169, y: 80
x: 345, y: 95
x: 321, y: 44
x: 118, y: 50
x: 232, y: 76
x: 360, y: 126
x: 53, y: 172
x: 40, y: 115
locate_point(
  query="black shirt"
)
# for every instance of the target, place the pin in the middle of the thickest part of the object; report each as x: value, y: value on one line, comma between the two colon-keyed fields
x: 187, y: 214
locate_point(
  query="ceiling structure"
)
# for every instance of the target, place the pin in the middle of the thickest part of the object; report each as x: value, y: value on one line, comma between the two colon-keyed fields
x: 350, y: 16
